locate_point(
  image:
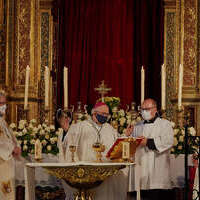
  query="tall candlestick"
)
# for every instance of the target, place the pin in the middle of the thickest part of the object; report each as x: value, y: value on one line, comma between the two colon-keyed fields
x: 163, y: 86
x: 142, y: 84
x: 26, y: 87
x: 180, y: 86
x: 46, y: 79
x: 65, y: 79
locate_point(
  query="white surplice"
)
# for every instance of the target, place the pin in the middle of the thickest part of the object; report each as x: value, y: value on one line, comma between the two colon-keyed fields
x: 155, y: 164
x: 84, y: 134
x: 7, y: 164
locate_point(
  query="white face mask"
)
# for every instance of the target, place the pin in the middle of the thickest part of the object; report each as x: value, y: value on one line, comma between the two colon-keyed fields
x: 146, y: 115
x: 3, y: 109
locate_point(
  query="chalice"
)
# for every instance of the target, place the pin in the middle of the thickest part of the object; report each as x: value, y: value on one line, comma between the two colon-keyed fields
x: 72, y: 149
x: 98, y: 148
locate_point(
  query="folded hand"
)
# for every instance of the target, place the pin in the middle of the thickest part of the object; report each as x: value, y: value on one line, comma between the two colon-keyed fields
x: 129, y: 130
x: 16, y: 152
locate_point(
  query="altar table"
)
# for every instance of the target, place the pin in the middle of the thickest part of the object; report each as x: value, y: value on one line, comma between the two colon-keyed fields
x: 30, y: 174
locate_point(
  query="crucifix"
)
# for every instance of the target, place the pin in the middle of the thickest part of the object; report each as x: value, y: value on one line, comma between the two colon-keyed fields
x: 102, y: 90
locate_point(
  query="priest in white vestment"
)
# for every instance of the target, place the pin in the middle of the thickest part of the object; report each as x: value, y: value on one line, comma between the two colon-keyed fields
x: 84, y: 134
x: 9, y: 150
x: 154, y: 152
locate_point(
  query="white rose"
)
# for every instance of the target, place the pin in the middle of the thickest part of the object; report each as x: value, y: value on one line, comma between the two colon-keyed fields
x: 128, y: 121
x: 52, y: 140
x: 44, y: 142
x: 30, y: 126
x: 25, y: 141
x: 128, y: 116
x: 122, y: 113
x: 52, y: 127
x: 49, y: 148
x: 12, y: 125
x: 114, y: 115
x: 21, y: 126
x: 33, y: 121
x: 19, y: 133
x: 122, y: 121
x: 176, y: 131
x: 25, y: 147
x: 181, y: 138
x: 44, y: 125
x: 22, y: 121
x: 182, y: 131
x: 192, y: 131
x: 32, y: 141
x: 47, y: 129
x: 35, y: 130
x: 47, y: 136
x: 39, y: 126
x: 175, y: 141
x: 42, y: 132
x: 24, y: 131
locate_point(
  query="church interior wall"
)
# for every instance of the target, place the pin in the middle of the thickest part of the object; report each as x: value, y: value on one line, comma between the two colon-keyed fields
x: 27, y: 37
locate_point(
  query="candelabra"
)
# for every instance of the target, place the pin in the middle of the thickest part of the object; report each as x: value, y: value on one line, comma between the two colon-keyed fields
x: 180, y: 117
x: 25, y: 113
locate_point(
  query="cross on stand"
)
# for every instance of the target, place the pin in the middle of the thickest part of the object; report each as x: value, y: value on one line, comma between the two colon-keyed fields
x: 102, y: 90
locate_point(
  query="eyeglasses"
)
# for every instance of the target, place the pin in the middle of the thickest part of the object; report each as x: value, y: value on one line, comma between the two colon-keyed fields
x: 142, y: 109
x: 103, y: 113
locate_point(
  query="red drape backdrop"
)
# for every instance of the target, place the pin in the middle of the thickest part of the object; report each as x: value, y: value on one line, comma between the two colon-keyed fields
x: 110, y: 40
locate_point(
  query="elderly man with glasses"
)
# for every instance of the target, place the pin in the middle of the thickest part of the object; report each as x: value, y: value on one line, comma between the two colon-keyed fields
x: 84, y: 135
x: 154, y: 152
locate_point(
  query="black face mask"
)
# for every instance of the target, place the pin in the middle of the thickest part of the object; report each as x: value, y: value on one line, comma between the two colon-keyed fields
x: 101, y: 119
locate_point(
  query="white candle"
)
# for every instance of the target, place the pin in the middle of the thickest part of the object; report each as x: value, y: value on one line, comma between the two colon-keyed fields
x: 26, y: 87
x: 142, y: 84
x: 38, y: 149
x: 65, y: 82
x: 46, y: 79
x: 163, y: 86
x: 180, y: 86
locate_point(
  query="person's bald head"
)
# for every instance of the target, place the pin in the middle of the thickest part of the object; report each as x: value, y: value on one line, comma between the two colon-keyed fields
x: 150, y: 105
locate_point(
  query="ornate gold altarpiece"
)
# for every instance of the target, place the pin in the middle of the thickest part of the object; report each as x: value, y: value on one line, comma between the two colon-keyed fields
x: 26, y: 40
x: 28, y: 37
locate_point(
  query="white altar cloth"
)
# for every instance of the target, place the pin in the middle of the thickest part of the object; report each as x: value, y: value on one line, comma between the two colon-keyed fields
x: 43, y: 179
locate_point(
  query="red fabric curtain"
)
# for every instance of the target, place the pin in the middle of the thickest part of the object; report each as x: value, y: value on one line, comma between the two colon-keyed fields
x: 110, y: 40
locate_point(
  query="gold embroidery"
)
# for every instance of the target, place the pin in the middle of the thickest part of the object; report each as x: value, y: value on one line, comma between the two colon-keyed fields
x: 6, y: 187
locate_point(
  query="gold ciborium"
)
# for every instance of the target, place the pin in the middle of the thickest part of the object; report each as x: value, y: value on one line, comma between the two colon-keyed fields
x: 72, y: 149
x: 98, y: 148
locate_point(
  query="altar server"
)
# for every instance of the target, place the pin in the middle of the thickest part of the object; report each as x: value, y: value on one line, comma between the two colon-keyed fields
x: 86, y: 133
x: 9, y: 149
x: 154, y: 152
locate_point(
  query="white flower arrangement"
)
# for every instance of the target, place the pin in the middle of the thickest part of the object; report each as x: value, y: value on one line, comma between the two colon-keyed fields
x: 28, y: 132
x: 179, y: 141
